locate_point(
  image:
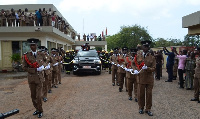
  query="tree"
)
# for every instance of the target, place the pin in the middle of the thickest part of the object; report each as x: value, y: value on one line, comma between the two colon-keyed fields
x: 129, y: 36
x: 191, y: 40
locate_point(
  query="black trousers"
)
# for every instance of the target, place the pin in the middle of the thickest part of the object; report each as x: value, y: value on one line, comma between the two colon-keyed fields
x: 180, y: 74
x: 170, y: 72
x: 67, y: 67
x: 158, y: 66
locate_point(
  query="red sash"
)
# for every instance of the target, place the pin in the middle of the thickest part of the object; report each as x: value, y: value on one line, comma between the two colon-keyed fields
x: 139, y: 66
x: 33, y: 65
x: 120, y: 60
x: 129, y: 62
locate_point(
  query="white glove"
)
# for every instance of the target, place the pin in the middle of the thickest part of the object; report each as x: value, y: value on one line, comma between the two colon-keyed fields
x: 118, y: 65
x: 121, y: 66
x: 48, y: 66
x: 112, y: 63
x: 60, y: 61
x: 144, y: 67
x: 125, y: 69
x: 136, y: 72
x: 55, y: 64
x: 130, y: 70
x: 40, y: 68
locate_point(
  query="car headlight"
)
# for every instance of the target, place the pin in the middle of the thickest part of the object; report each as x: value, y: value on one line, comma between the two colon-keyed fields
x: 75, y: 61
x: 97, y: 61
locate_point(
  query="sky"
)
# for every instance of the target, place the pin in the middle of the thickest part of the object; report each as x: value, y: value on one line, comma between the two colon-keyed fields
x: 162, y: 18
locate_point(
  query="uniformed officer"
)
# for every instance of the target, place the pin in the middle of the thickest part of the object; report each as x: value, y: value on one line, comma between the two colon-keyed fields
x: 197, y: 77
x: 111, y: 53
x: 131, y: 79
x: 33, y: 63
x: 44, y: 17
x: 114, y: 67
x: 145, y: 61
x: 102, y: 58
x: 60, y: 61
x: 55, y: 62
x: 47, y: 72
x: 67, y: 61
x: 107, y: 62
x: 175, y: 68
x: 3, y: 15
x: 122, y: 72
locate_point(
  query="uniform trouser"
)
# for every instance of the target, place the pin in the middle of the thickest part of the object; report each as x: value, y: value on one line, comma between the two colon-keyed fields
x: 44, y: 19
x: 142, y: 90
x: 59, y: 74
x: 45, y: 85
x: 161, y: 71
x: 50, y: 81
x: 122, y: 77
x: 36, y: 95
x: 158, y: 70
x: 49, y: 22
x: 180, y: 74
x: 11, y: 22
x: 67, y: 67
x: 130, y: 83
x: 54, y: 78
x: 170, y: 72
x: 196, y: 87
x: 3, y: 22
x: 114, y: 76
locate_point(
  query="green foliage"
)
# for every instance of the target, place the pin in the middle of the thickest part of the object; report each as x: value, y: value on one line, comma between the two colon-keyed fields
x: 191, y: 40
x: 98, y: 48
x: 161, y: 42
x: 129, y: 36
x: 15, y: 57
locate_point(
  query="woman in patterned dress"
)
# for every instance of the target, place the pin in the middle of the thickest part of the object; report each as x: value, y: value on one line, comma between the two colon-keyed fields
x: 190, y: 66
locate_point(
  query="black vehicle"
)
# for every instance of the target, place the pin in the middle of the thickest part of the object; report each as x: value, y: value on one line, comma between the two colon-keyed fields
x: 87, y: 61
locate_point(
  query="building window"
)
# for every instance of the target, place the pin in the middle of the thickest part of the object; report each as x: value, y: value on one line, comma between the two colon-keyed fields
x: 16, y: 47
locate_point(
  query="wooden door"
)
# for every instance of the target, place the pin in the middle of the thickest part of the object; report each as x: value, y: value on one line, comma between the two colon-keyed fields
x: 6, y: 54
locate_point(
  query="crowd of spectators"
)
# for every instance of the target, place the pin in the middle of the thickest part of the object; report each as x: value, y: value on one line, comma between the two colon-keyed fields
x: 38, y: 18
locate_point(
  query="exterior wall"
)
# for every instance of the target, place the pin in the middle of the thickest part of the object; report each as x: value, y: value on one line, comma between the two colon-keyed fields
x: 193, y: 31
x: 191, y: 20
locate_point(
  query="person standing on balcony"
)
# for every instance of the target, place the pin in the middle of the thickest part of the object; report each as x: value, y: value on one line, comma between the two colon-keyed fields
x: 39, y: 17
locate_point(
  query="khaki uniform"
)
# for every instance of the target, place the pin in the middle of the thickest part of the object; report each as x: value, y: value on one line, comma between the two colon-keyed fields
x: 131, y: 79
x: 175, y: 68
x: 49, y: 18
x: 114, y: 69
x: 35, y: 78
x: 27, y: 18
x: 47, y: 73
x: 197, y: 78
x: 55, y: 59
x: 122, y: 72
x: 12, y: 19
x: 44, y: 18
x: 145, y: 80
x: 60, y: 68
x: 3, y: 18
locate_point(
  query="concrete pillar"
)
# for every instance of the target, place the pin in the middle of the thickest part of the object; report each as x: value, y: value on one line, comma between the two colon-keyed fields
x: 105, y: 47
x: 43, y: 42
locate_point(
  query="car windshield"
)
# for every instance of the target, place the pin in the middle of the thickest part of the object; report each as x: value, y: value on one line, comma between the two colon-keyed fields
x: 87, y: 54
